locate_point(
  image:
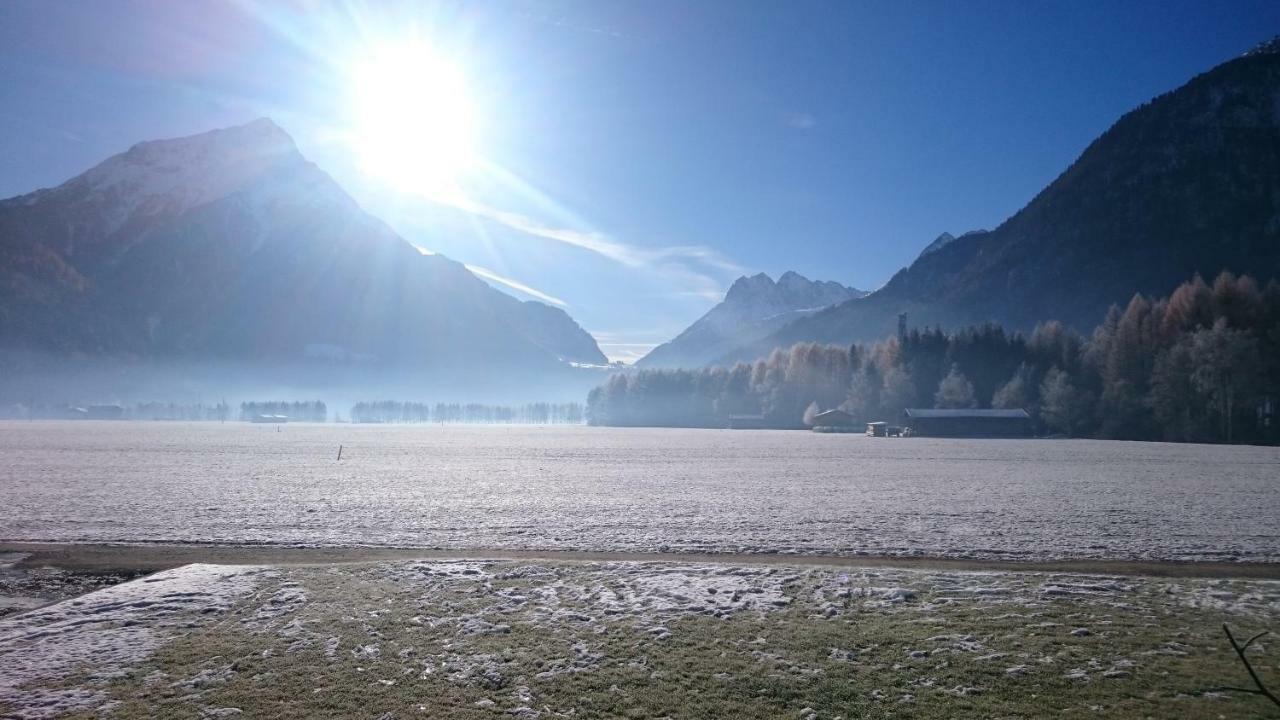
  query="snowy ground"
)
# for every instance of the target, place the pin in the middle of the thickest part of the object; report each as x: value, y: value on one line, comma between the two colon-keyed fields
x: 605, y: 489
x: 97, y: 638
x: 490, y: 639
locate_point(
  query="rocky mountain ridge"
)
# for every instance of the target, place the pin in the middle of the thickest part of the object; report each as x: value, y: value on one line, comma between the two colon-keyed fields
x: 753, y: 307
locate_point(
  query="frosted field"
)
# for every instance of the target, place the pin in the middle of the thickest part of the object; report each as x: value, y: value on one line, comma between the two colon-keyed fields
x: 578, y: 488
x: 493, y: 639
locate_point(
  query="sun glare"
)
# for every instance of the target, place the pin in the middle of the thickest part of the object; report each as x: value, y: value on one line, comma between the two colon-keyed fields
x: 413, y: 120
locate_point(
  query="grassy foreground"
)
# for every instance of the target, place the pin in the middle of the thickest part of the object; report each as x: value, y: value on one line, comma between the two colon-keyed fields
x: 479, y: 639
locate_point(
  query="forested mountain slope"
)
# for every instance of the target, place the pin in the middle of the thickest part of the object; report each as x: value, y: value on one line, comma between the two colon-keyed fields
x: 1187, y: 183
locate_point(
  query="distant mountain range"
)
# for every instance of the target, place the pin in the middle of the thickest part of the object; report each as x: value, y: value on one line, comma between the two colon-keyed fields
x: 754, y: 308
x: 1187, y: 183
x: 231, y: 245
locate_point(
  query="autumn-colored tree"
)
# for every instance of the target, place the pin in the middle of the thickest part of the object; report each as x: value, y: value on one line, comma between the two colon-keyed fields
x: 1064, y: 407
x: 1018, y: 392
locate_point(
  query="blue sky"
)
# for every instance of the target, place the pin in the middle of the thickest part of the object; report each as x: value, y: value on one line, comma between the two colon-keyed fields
x: 638, y: 156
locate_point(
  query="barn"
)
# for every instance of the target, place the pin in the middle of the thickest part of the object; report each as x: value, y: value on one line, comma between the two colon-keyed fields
x: 940, y: 422
x: 747, y: 422
x: 832, y: 418
x: 832, y: 421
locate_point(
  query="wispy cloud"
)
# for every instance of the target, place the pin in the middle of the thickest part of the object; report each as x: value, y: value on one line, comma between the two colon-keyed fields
x: 801, y: 121
x: 562, y: 22
x: 492, y: 276
x: 516, y: 285
x: 629, y: 346
x: 688, y: 265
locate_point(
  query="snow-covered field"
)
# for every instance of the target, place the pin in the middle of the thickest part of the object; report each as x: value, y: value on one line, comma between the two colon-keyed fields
x: 578, y: 488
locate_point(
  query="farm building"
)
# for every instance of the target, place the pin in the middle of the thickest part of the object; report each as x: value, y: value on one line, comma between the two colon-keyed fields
x: 746, y: 422
x: 938, y: 422
x: 832, y: 421
x: 832, y: 418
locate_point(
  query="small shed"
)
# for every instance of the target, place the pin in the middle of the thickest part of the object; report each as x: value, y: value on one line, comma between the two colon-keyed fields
x: 965, y: 422
x: 881, y: 428
x: 746, y: 422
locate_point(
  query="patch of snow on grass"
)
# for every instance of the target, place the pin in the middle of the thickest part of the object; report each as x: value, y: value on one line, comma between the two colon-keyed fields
x: 719, y: 591
x: 1258, y: 597
x: 105, y: 633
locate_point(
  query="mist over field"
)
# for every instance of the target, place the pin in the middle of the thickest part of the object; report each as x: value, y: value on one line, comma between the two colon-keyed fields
x: 31, y: 381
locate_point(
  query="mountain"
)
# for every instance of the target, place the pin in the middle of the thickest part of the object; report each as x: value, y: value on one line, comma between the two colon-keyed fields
x: 938, y: 243
x: 753, y: 308
x: 944, y: 240
x: 230, y: 245
x: 1187, y: 183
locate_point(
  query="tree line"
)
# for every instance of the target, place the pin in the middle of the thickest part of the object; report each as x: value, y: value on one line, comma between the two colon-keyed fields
x: 538, y: 413
x: 1202, y: 365
x: 303, y: 410
x: 220, y: 412
x: 199, y: 412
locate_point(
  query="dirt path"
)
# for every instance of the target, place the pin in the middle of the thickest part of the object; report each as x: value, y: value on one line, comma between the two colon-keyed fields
x: 154, y: 557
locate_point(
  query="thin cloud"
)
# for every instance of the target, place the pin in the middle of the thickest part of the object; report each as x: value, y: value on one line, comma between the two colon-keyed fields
x: 714, y: 294
x: 686, y: 264
x: 492, y: 276
x: 801, y: 121
x: 562, y: 22
x: 516, y: 285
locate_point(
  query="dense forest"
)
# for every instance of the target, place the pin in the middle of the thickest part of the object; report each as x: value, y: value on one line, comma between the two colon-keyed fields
x: 1202, y: 365
x: 395, y: 411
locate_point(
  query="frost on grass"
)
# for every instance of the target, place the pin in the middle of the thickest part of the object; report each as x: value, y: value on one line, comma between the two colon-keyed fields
x: 588, y: 592
x: 1253, y: 598
x: 59, y: 658
x: 483, y: 638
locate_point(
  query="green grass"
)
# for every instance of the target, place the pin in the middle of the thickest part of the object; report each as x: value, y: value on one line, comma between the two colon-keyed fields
x: 857, y: 664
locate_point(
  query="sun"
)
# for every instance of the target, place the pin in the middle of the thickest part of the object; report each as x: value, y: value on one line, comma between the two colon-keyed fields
x: 412, y: 118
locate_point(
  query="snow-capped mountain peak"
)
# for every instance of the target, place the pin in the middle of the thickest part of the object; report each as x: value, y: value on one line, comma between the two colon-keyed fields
x: 754, y: 306
x: 1267, y: 47
x: 191, y: 171
x: 159, y: 180
x: 231, y: 242
x: 946, y: 239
